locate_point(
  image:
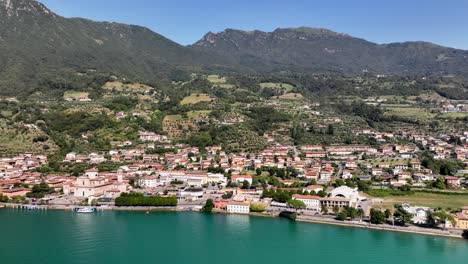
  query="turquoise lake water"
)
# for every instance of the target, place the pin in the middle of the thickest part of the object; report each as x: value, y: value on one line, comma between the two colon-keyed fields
x: 52, y: 237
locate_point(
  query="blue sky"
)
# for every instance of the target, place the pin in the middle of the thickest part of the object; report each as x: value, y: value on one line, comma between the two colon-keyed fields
x: 186, y: 21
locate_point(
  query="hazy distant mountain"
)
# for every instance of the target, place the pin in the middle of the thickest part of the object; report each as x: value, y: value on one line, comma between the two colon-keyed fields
x: 313, y: 49
x: 34, y: 41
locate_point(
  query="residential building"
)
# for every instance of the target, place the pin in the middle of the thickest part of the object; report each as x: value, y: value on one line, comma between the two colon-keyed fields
x: 311, y: 202
x: 238, y: 207
x: 461, y: 218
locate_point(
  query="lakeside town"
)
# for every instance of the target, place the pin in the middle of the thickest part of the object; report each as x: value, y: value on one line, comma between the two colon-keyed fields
x: 339, y: 182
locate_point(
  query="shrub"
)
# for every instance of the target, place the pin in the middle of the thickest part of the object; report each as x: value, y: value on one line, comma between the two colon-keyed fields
x: 137, y: 199
x: 257, y: 207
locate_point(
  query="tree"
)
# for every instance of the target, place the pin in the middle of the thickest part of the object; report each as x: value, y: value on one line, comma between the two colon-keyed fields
x: 388, y: 213
x: 227, y: 195
x: 341, y: 216
x: 465, y: 234
x: 131, y: 182
x: 324, y: 209
x: 360, y: 213
x: 330, y: 130
x: 442, y: 218
x: 245, y: 184
x: 257, y: 207
x: 439, y: 184
x: 363, y: 186
x: 351, y: 212
x: 336, y: 210
x: 377, y: 216
x: 258, y: 171
x: 208, y: 207
x: 296, y: 204
x: 3, y: 198
x: 200, y: 140
x: 430, y: 220
x: 39, y: 190
x: 322, y: 193
x: 401, y: 216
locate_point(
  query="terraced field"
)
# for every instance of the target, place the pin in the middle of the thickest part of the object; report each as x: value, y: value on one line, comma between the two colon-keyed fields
x: 126, y: 87
x: 15, y: 139
x: 196, y: 98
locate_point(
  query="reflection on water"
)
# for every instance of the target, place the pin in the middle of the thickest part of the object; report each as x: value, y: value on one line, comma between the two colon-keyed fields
x: 238, y: 222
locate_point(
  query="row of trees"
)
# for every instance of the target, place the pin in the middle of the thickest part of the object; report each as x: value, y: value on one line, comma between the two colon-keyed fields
x: 349, y: 212
x: 3, y: 198
x: 400, y: 216
x: 39, y: 191
x: 138, y: 199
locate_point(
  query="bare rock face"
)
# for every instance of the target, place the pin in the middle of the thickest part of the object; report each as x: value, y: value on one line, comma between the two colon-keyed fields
x: 16, y: 8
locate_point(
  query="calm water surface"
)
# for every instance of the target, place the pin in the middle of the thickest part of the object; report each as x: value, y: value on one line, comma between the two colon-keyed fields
x: 54, y: 237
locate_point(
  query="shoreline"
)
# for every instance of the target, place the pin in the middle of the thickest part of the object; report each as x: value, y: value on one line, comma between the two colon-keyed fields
x: 314, y: 219
x: 419, y: 231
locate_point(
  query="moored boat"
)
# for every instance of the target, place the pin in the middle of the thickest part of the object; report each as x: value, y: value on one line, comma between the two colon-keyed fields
x: 85, y: 210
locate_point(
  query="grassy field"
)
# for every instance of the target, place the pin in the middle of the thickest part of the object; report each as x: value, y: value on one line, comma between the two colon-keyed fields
x: 433, y: 200
x: 198, y: 114
x: 285, y: 86
x: 453, y: 115
x: 172, y: 118
x: 226, y: 86
x: 216, y: 79
x: 413, y: 112
x: 291, y: 96
x: 73, y: 94
x: 196, y: 98
x: 428, y: 96
x: 123, y: 87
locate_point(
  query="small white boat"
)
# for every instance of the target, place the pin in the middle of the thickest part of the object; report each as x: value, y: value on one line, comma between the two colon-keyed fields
x: 86, y: 210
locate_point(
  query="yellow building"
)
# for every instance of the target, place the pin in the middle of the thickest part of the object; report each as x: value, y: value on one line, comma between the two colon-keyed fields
x: 462, y: 218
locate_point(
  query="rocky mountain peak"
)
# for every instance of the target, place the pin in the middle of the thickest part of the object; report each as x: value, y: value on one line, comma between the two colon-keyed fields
x: 15, y: 8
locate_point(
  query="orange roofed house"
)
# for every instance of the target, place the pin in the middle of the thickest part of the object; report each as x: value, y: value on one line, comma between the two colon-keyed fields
x: 461, y: 218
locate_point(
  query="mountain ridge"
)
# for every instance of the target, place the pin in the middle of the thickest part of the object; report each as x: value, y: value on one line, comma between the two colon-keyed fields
x: 39, y: 47
x: 35, y: 42
x: 293, y: 47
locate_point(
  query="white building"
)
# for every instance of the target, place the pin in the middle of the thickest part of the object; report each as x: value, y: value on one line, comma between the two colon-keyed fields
x: 195, y: 178
x: 419, y: 213
x: 153, y: 137
x: 216, y: 178
x: 241, y: 178
x: 346, y: 192
x: 311, y: 202
x: 149, y: 182
x: 190, y: 194
x: 238, y: 207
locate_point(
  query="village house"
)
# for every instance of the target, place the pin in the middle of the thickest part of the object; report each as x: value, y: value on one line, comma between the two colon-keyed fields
x: 151, y: 136
x: 452, y: 181
x: 241, y: 178
x: 461, y: 218
x: 311, y: 174
x: 311, y: 202
x: 149, y: 181
x: 238, y: 207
